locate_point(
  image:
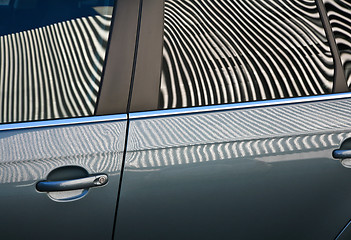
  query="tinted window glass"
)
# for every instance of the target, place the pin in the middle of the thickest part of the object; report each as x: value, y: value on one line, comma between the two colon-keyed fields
x: 235, y: 51
x: 51, y: 57
x: 339, y: 13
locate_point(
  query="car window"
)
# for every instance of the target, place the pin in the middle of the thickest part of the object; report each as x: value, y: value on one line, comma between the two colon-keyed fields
x: 52, y: 55
x: 217, y: 52
x: 339, y: 13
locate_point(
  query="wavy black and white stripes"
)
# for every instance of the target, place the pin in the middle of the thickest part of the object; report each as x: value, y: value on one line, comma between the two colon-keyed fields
x: 269, y: 150
x: 29, y: 155
x: 235, y: 51
x: 53, y: 71
x: 339, y: 13
x: 267, y: 134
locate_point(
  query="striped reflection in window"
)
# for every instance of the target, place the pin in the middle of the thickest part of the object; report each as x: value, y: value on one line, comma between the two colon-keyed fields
x: 236, y: 51
x: 339, y: 13
x: 52, y: 66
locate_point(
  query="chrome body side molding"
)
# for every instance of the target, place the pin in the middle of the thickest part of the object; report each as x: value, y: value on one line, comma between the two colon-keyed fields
x: 233, y: 106
x: 63, y: 122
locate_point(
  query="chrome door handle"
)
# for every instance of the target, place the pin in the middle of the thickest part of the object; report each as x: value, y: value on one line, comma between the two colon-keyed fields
x: 344, y: 153
x: 341, y: 154
x: 74, y: 184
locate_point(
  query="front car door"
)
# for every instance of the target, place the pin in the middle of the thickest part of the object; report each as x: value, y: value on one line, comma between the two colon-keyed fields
x: 64, y: 77
x: 237, y: 142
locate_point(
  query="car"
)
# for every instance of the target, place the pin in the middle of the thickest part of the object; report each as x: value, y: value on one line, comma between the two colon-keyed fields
x: 175, y: 119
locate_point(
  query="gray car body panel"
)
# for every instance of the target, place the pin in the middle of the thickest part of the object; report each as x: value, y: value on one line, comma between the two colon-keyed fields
x: 243, y: 173
x: 28, y: 155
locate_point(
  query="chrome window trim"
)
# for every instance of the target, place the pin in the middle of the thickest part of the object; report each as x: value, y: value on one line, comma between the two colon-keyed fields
x: 233, y: 106
x: 63, y: 122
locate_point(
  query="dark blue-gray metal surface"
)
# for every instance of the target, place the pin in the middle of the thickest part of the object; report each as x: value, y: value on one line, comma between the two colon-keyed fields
x: 264, y: 172
x: 28, y: 155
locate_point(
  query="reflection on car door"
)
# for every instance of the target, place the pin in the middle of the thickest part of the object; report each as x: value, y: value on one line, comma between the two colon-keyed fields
x: 65, y: 69
x: 29, y: 155
x: 250, y: 173
x: 238, y: 142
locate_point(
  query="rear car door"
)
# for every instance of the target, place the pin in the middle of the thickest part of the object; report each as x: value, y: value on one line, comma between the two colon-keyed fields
x: 65, y: 70
x: 235, y: 119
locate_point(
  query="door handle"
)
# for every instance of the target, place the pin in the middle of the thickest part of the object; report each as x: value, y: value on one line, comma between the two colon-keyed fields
x: 341, y: 154
x: 344, y: 153
x: 74, y: 184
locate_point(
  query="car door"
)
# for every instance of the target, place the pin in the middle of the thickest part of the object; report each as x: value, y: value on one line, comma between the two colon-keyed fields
x: 65, y: 69
x: 234, y: 122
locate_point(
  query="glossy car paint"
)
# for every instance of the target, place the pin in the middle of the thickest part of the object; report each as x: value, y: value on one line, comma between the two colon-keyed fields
x: 30, y: 151
x: 265, y: 172
x: 29, y: 154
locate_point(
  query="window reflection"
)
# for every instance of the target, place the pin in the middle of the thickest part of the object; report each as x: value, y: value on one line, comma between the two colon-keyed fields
x: 339, y: 13
x: 235, y: 51
x: 51, y: 57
